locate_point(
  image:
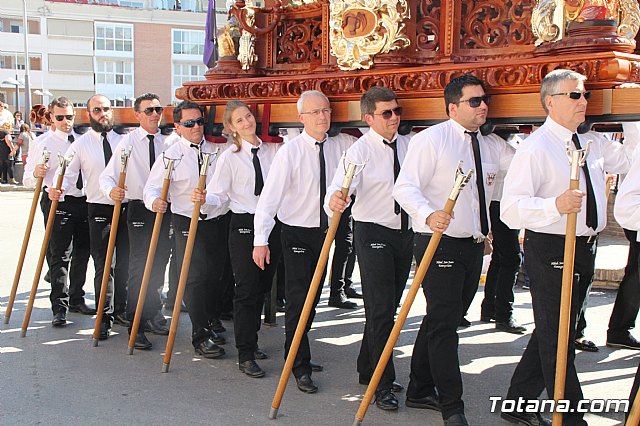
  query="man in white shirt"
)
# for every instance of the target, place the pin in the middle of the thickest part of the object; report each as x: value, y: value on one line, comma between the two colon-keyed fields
x: 535, y: 198
x: 147, y: 145
x: 294, y: 190
x: 422, y: 189
x: 70, y: 231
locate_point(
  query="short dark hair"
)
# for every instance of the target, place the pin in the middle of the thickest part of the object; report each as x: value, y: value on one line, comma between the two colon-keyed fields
x: 145, y: 97
x: 453, y: 90
x: 374, y: 95
x: 60, y: 102
x: 177, y: 110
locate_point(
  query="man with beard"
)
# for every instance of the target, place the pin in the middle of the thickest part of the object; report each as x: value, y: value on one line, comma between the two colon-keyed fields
x: 70, y: 231
x: 91, y: 153
x: 147, y: 144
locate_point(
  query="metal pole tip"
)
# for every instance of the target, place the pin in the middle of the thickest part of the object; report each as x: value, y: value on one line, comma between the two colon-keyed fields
x: 165, y: 367
x: 357, y: 422
x: 95, y: 342
x: 23, y: 333
x: 130, y: 352
x: 273, y: 413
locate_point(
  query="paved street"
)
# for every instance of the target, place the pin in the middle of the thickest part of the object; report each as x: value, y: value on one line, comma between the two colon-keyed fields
x: 57, y: 376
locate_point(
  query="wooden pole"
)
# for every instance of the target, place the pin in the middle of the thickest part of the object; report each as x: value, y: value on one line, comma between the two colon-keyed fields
x: 186, y: 263
x: 566, y: 292
x: 634, y: 414
x: 311, y: 295
x: 150, y: 256
x: 25, y: 242
x: 113, y: 233
x: 461, y: 181
x: 43, y: 249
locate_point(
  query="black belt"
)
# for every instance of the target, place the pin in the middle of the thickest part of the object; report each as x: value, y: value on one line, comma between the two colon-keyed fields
x: 586, y: 239
x: 74, y: 199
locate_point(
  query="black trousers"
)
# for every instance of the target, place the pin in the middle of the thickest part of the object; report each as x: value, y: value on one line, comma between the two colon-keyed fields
x: 252, y: 283
x: 45, y: 206
x: 223, y: 302
x: 344, y: 255
x: 205, y: 271
x: 69, y: 239
x: 584, y: 287
x: 544, y: 255
x: 100, y: 216
x: 503, y: 269
x: 449, y: 287
x: 301, y: 250
x: 625, y: 308
x: 140, y: 226
x: 174, y: 269
x: 385, y: 262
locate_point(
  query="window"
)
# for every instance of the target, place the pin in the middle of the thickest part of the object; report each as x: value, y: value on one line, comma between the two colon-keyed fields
x: 188, y: 42
x: 8, y: 61
x: 183, y: 72
x: 114, y: 72
x: 114, y: 37
x: 15, y: 25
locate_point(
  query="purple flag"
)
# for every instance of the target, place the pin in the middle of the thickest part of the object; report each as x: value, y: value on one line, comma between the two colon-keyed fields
x: 210, y: 56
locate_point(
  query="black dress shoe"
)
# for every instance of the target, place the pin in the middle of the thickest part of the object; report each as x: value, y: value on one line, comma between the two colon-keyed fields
x: 280, y: 304
x: 82, y: 308
x: 216, y: 338
x: 305, y: 384
x: 510, y: 326
x: 216, y: 325
x: 260, y: 354
x: 316, y: 368
x: 251, y: 369
x: 456, y: 420
x: 142, y: 342
x: 59, y: 319
x: 487, y: 318
x: 159, y: 318
x: 155, y: 327
x: 342, y: 304
x: 429, y: 402
x: 208, y: 349
x: 395, y: 386
x: 529, y: 419
x: 105, y: 330
x: 351, y: 293
x: 386, y: 400
x: 626, y: 342
x: 120, y: 319
x: 464, y: 323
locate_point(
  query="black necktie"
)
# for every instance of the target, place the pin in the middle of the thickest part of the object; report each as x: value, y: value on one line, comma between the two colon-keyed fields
x: 79, y: 183
x: 256, y: 167
x: 106, y: 148
x: 484, y: 222
x: 198, y: 147
x: 324, y: 221
x: 152, y: 152
x: 592, y: 209
x: 404, y: 217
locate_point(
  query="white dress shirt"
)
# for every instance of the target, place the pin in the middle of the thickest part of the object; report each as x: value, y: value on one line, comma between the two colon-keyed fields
x: 88, y: 157
x: 184, y: 178
x: 627, y: 207
x: 540, y: 172
x: 292, y: 189
x: 428, y: 173
x: 56, y: 142
x: 138, y: 167
x: 373, y: 187
x: 234, y: 178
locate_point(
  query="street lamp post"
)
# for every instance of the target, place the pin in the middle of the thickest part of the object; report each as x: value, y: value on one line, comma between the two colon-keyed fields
x: 27, y: 85
x: 15, y: 82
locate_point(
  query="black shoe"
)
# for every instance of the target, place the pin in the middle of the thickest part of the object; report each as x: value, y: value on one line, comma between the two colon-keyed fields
x: 464, y: 323
x: 159, y: 318
x: 208, y: 349
x: 627, y: 342
x: 280, y: 303
x: 216, y: 338
x: 226, y: 316
x: 529, y: 419
x: 142, y: 342
x: 487, y: 318
x: 429, y: 402
x: 216, y: 325
x: 305, y: 384
x: 155, y: 327
x: 456, y: 420
x: 316, y: 368
x: 120, y: 319
x: 342, y: 303
x: 251, y: 369
x: 82, y: 308
x: 510, y: 326
x: 395, y: 386
x: 105, y: 330
x: 260, y: 354
x: 586, y: 345
x: 351, y: 293
x: 386, y: 400
x: 59, y: 319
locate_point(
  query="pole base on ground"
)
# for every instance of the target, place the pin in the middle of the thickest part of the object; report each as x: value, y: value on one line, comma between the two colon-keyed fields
x: 130, y: 352
x: 273, y: 413
x: 6, y: 320
x: 165, y: 367
x: 357, y: 422
x: 23, y: 333
x: 95, y: 342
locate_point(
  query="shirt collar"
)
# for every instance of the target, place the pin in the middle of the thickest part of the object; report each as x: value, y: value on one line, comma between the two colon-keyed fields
x: 307, y: 137
x: 186, y: 143
x: 59, y: 134
x: 377, y: 137
x: 558, y: 129
x: 142, y: 133
x: 460, y: 130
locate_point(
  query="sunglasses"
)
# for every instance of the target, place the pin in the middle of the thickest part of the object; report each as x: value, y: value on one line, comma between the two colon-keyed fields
x: 476, y: 101
x: 190, y: 123
x: 62, y: 117
x: 98, y: 110
x: 150, y: 110
x: 386, y: 114
x: 575, y: 95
